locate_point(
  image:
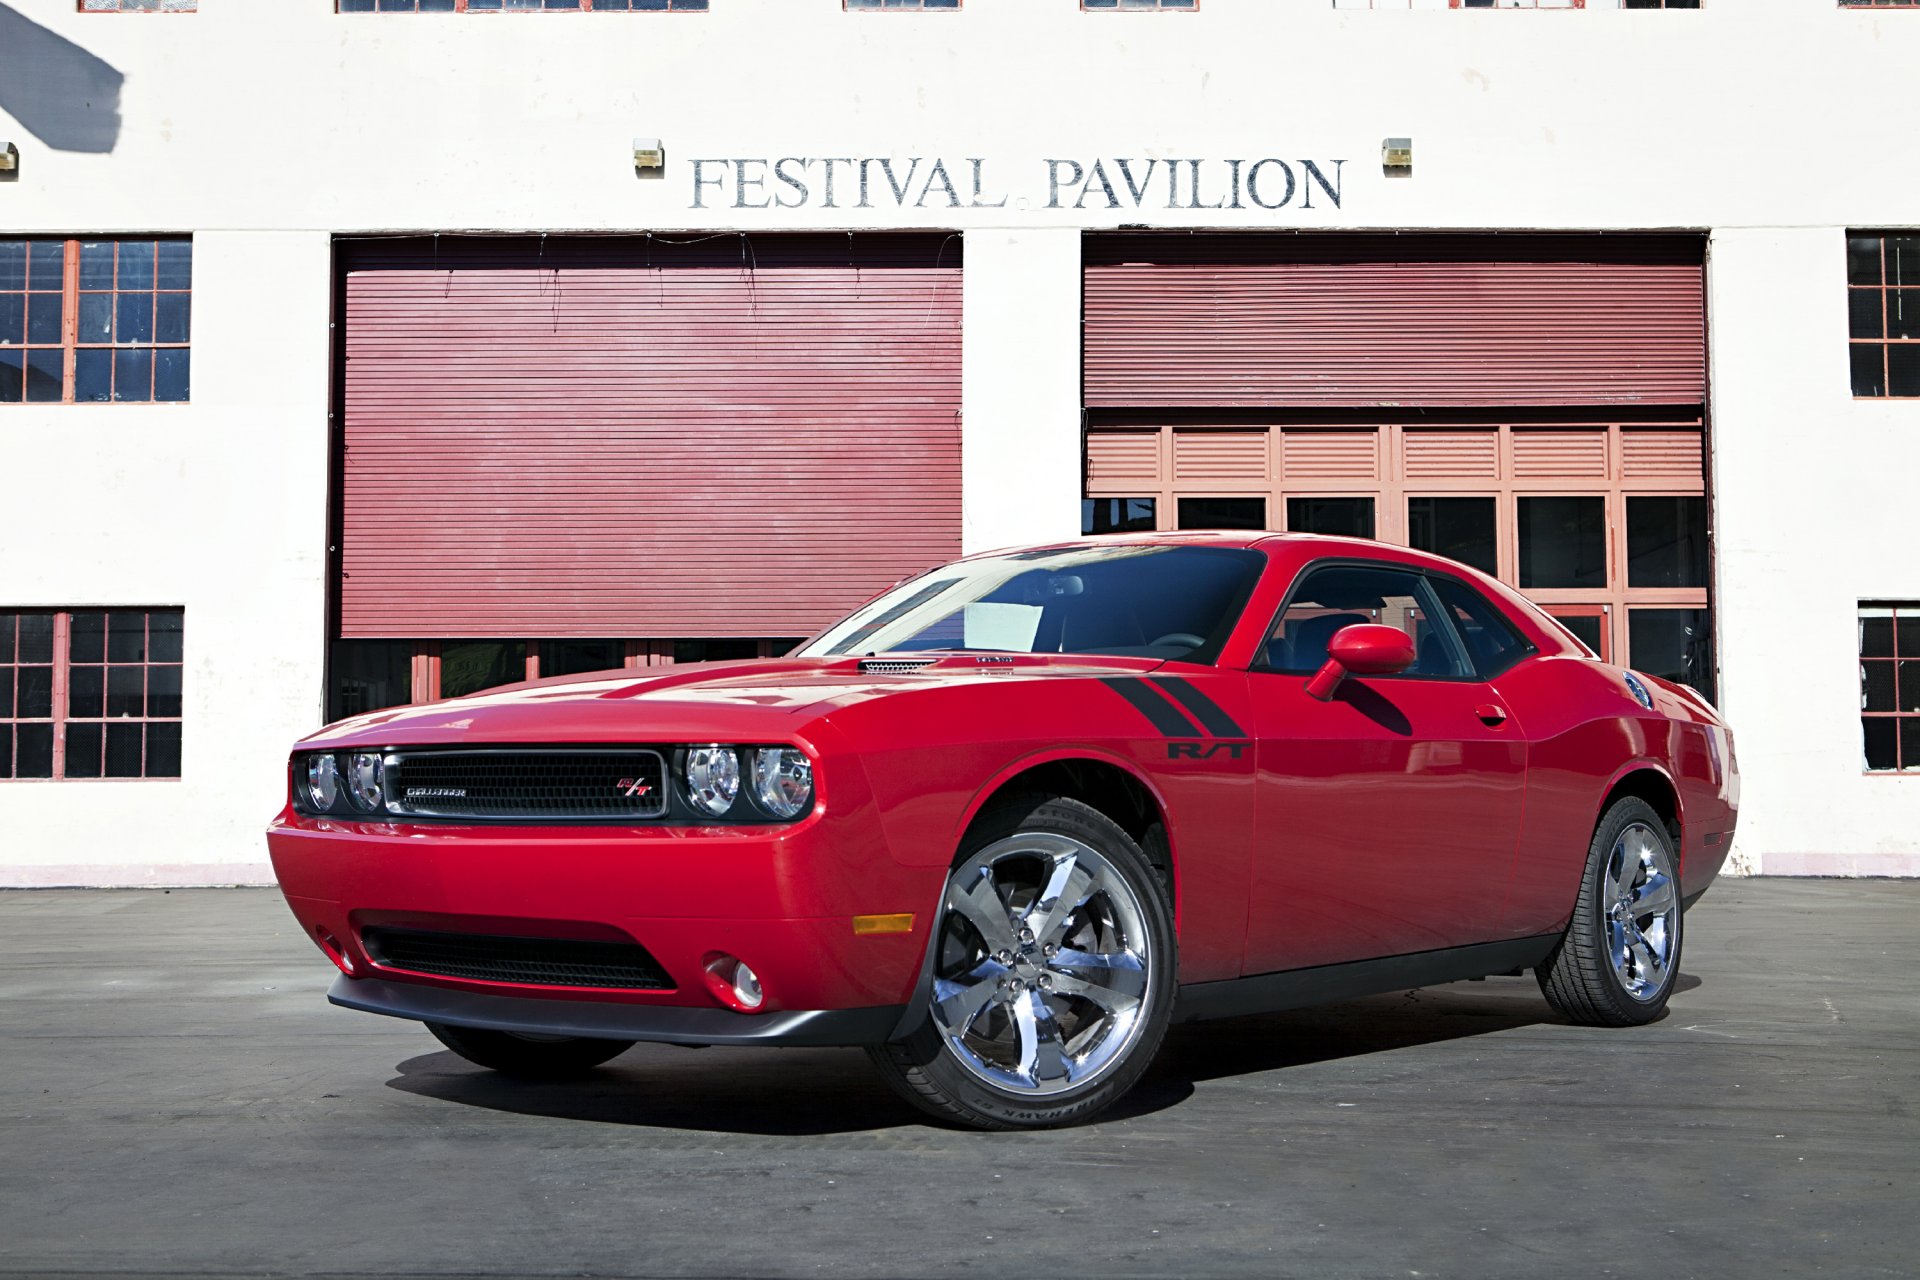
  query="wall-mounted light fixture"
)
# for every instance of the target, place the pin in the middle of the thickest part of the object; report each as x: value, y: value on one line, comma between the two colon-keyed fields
x: 1396, y: 157
x: 648, y: 154
x: 9, y: 158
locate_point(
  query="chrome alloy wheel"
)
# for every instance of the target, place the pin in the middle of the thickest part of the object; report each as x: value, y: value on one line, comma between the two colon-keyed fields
x: 1641, y: 911
x: 1040, y: 984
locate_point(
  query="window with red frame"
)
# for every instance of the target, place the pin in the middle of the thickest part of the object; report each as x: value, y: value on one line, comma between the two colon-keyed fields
x: 522, y: 6
x: 1141, y: 6
x: 1880, y: 4
x: 139, y: 6
x: 90, y: 693
x: 1883, y: 313
x: 1890, y: 685
x: 1516, y: 4
x: 95, y: 320
x: 899, y: 5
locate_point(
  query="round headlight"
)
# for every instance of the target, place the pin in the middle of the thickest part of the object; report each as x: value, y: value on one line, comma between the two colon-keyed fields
x: 782, y: 781
x: 366, y: 781
x: 713, y: 778
x: 323, y: 782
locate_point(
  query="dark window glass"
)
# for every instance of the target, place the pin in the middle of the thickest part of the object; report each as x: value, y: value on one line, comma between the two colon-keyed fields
x: 467, y: 666
x: 131, y: 313
x: 1586, y: 628
x: 572, y: 657
x: 163, y: 691
x: 1674, y: 644
x: 1343, y: 517
x: 1864, y: 313
x: 85, y: 744
x: 1334, y: 597
x: 1863, y: 259
x: 1883, y: 313
x: 1868, y: 365
x: 1492, y: 642
x: 1903, y: 369
x: 7, y: 677
x: 714, y: 650
x: 1223, y: 513
x: 1876, y: 634
x: 33, y: 751
x: 34, y: 693
x: 163, y: 749
x: 124, y: 744
x: 87, y: 638
x: 368, y: 675
x: 1667, y: 542
x: 1117, y: 515
x: 36, y: 637
x: 1458, y: 528
x: 1563, y: 542
x: 1882, y: 734
x: 126, y: 692
x: 86, y: 691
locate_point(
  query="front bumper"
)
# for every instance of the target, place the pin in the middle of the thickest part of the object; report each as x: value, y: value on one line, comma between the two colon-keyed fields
x: 662, y: 1024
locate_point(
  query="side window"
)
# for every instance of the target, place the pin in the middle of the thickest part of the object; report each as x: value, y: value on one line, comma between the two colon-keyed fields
x: 1336, y: 596
x: 1490, y: 639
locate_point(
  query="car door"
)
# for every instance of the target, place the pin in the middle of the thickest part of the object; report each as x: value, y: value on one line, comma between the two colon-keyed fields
x: 1387, y: 816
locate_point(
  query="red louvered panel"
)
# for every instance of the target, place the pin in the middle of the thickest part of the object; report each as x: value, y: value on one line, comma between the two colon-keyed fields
x: 1220, y: 455
x: 1123, y: 458
x: 1434, y: 455
x: 1330, y: 455
x: 1664, y: 454
x: 619, y: 437
x: 1220, y: 321
x: 1560, y: 454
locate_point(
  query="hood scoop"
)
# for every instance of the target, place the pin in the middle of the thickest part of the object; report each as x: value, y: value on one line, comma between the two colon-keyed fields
x: 894, y: 666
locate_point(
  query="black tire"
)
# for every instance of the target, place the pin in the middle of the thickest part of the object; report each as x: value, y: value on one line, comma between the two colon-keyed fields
x: 543, y: 1058
x: 930, y: 1074
x: 1581, y: 979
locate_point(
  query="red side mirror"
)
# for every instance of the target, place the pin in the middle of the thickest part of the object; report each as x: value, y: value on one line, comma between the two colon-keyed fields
x: 1363, y: 649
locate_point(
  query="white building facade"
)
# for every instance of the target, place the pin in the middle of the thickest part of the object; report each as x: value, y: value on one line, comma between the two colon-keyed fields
x: 358, y: 357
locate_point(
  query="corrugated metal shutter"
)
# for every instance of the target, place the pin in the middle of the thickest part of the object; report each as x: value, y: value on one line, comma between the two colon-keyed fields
x: 623, y: 437
x: 1212, y: 321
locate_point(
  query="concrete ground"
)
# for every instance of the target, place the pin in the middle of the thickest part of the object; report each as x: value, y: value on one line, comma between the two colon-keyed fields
x: 176, y: 1098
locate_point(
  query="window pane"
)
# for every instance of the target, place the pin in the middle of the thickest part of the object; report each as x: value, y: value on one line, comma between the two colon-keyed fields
x: 12, y: 379
x: 1907, y: 625
x: 13, y: 319
x: 1903, y: 313
x: 470, y: 665
x: 13, y: 264
x: 171, y: 312
x: 1341, y: 596
x: 84, y: 744
x: 136, y: 265
x: 9, y: 621
x: 1882, y: 741
x: 1674, y: 644
x: 34, y: 699
x: 1458, y: 528
x: 570, y: 657
x: 1910, y: 687
x: 133, y: 317
x: 1223, y: 513
x: 1903, y: 259
x: 6, y: 751
x: 1876, y: 686
x: 86, y: 691
x: 36, y: 637
x: 1344, y: 517
x: 123, y: 750
x: 1863, y: 259
x: 133, y: 374
x: 33, y: 751
x: 1876, y: 633
x: 96, y: 317
x: 1864, y: 313
x: 1909, y: 742
x: 163, y: 691
x: 1117, y: 515
x: 1492, y: 642
x: 1903, y: 369
x: 170, y: 375
x: 163, y: 635
x: 44, y: 312
x: 175, y: 264
x: 1586, y: 628
x: 46, y: 372
x: 126, y: 692
x: 1563, y: 542
x: 93, y: 375
x: 368, y: 675
x: 87, y: 637
x: 46, y: 264
x: 96, y: 264
x: 1867, y: 362
x: 7, y: 677
x: 714, y: 650
x: 163, y: 750
x: 127, y: 636
x: 1667, y: 542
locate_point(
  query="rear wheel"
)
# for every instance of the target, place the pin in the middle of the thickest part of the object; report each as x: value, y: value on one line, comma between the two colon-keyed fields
x: 1053, y: 974
x: 1616, y: 964
x: 534, y: 1057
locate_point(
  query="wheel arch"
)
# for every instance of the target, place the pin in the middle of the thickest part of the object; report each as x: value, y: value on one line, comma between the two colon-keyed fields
x: 1646, y: 780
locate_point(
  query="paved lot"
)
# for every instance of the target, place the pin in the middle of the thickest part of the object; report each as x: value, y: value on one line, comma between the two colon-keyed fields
x: 176, y: 1098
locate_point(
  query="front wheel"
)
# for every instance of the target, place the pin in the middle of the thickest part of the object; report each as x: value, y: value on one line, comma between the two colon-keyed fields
x: 1616, y: 964
x: 1053, y: 976
x: 534, y: 1057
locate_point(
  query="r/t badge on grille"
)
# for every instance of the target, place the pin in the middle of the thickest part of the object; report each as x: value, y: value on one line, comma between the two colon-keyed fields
x: 631, y: 787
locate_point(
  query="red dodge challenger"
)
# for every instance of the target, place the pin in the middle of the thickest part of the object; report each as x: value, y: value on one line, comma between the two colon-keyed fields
x: 1006, y: 822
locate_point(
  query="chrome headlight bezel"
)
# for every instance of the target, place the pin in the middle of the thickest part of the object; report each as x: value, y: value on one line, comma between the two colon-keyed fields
x: 367, y: 781
x: 321, y: 778
x: 711, y: 773
x: 782, y: 781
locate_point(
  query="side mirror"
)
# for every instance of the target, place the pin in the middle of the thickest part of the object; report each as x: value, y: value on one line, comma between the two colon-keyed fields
x: 1363, y: 649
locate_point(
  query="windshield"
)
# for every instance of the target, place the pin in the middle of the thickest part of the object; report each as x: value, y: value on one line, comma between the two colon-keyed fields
x: 1130, y: 601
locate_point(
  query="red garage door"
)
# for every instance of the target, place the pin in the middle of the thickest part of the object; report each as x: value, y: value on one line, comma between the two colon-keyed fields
x: 622, y: 437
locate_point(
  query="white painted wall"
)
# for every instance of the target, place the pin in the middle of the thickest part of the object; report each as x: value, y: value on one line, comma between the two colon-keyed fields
x: 262, y: 127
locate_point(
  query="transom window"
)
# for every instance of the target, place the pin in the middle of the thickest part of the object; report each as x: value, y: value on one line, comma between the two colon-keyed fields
x: 1883, y: 312
x: 90, y: 693
x: 522, y: 6
x: 1890, y: 685
x: 87, y: 321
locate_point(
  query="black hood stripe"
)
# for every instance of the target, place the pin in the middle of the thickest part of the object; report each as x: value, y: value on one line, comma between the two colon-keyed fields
x: 1204, y: 709
x: 1154, y: 706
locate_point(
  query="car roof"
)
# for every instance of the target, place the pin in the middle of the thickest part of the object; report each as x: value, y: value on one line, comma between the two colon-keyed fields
x: 1206, y: 537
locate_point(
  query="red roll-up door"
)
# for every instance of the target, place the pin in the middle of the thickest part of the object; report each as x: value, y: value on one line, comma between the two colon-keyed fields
x: 1243, y: 321
x: 625, y: 437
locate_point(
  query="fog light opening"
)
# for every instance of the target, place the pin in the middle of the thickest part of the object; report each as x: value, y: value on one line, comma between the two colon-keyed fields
x: 746, y: 986
x: 733, y: 982
x: 335, y: 952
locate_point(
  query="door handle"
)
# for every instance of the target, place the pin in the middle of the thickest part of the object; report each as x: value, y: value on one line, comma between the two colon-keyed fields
x: 1492, y: 715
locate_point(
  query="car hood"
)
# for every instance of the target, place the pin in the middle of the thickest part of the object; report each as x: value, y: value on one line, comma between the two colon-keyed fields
x: 757, y: 700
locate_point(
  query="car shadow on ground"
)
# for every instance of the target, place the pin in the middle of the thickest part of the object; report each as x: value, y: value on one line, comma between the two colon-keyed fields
x: 817, y: 1092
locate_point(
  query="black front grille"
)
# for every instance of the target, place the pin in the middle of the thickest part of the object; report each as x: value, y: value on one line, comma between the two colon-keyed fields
x: 550, y: 962
x: 528, y: 784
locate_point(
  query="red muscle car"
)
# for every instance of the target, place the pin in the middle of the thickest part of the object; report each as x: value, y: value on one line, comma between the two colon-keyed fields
x: 1007, y: 821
